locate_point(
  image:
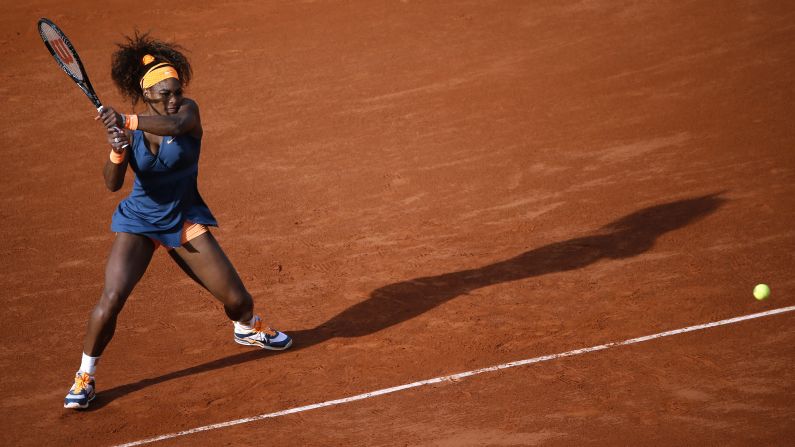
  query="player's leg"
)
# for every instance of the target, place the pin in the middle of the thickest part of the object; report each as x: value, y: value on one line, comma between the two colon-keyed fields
x: 178, y: 260
x: 204, y: 260
x: 129, y: 257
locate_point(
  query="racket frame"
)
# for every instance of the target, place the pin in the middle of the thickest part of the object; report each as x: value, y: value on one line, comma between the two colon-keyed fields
x: 85, y: 83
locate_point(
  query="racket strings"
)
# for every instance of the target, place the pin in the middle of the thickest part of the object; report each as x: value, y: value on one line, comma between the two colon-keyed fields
x: 61, y: 51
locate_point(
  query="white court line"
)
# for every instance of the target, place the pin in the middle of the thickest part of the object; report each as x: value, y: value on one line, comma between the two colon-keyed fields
x: 454, y: 377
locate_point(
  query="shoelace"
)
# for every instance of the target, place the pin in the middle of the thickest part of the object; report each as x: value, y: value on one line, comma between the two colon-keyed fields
x: 81, y: 381
x: 267, y: 331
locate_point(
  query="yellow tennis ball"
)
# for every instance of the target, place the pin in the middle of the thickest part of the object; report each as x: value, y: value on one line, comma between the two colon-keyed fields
x: 761, y: 291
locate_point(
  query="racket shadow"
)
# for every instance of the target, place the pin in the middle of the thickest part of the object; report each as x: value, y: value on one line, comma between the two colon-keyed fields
x: 394, y: 303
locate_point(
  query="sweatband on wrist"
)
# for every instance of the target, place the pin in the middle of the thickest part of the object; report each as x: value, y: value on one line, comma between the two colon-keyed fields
x: 117, y: 158
x: 130, y: 122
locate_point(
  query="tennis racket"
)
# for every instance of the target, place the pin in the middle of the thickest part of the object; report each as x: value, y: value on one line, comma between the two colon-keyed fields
x: 65, y: 55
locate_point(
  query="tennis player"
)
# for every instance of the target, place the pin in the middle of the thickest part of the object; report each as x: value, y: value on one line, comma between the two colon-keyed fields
x: 161, y: 146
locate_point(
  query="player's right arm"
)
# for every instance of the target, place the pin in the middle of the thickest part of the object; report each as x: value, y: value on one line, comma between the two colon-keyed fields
x: 186, y: 120
x: 114, y: 172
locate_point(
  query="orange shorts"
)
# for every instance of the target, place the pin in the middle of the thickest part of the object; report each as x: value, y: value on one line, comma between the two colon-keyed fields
x: 190, y: 231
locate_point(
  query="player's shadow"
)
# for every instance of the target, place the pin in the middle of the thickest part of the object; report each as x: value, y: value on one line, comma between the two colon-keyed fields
x: 394, y: 303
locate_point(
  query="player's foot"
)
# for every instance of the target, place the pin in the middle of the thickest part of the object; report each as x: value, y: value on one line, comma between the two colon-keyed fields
x: 81, y: 393
x: 264, y: 337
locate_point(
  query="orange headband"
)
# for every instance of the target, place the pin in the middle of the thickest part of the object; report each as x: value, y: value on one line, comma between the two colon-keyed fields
x: 158, y: 73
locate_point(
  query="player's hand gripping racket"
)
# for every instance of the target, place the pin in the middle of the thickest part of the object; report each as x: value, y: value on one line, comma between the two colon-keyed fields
x: 64, y: 53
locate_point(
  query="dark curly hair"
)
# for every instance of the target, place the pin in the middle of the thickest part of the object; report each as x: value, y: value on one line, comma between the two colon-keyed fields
x: 127, y: 65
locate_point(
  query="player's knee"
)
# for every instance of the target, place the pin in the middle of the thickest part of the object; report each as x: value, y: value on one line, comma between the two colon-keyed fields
x: 110, y: 304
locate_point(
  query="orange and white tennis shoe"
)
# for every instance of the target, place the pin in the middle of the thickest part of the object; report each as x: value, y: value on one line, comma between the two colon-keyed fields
x: 263, y: 337
x: 81, y: 393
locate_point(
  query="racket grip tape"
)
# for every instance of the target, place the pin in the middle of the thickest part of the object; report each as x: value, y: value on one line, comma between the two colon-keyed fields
x: 116, y: 128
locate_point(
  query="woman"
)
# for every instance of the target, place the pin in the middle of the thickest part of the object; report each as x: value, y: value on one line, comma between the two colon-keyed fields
x: 162, y: 147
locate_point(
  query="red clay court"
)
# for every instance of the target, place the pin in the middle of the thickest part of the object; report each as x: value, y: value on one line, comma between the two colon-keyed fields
x: 413, y: 189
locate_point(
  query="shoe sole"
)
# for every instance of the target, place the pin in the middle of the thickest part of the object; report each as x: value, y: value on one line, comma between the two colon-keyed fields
x: 263, y: 345
x: 77, y: 406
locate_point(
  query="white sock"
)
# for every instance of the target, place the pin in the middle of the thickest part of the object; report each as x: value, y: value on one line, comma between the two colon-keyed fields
x: 88, y: 364
x: 246, y: 326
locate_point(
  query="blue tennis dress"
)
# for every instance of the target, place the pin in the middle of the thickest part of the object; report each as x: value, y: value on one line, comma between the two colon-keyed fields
x: 165, y: 193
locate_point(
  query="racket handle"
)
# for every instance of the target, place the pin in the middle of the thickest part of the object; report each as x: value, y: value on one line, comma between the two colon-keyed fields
x: 100, y: 109
x: 126, y: 145
x: 116, y: 128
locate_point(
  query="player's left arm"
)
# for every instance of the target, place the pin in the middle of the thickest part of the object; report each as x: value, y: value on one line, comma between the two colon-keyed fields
x: 185, y: 121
